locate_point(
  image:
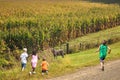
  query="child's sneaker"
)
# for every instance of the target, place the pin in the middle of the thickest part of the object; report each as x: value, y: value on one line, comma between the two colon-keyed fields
x: 23, y: 69
x: 102, y: 68
x: 42, y: 73
x: 47, y: 72
x: 34, y: 72
x: 30, y: 73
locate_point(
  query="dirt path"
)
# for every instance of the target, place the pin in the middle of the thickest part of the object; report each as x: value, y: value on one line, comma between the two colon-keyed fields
x: 112, y: 72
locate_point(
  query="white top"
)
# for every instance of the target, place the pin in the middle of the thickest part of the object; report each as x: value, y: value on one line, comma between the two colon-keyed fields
x: 23, y: 57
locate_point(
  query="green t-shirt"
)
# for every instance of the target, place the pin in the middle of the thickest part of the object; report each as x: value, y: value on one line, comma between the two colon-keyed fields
x: 103, y: 51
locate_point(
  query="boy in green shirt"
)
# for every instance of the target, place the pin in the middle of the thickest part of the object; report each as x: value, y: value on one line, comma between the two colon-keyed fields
x: 103, y: 49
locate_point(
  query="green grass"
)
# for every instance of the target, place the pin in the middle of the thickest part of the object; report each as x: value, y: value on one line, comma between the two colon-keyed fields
x: 71, y: 62
x: 61, y: 66
x: 94, y: 39
x: 98, y: 36
x: 47, y: 14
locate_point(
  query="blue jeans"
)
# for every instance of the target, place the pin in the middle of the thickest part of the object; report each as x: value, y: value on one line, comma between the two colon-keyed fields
x: 23, y: 65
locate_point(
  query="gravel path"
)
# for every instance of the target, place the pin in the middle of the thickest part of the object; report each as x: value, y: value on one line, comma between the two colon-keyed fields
x: 112, y: 72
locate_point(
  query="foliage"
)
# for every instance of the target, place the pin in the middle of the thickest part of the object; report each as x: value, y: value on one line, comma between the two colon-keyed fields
x: 93, y: 40
x: 52, y: 22
x: 61, y: 66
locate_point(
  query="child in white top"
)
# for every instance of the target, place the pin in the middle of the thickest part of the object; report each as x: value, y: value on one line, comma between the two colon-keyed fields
x: 23, y: 58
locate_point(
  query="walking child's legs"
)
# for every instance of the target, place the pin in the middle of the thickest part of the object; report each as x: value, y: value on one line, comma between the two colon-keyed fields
x: 33, y: 69
x: 23, y: 66
x: 102, y: 63
x: 44, y: 71
x: 34, y: 64
x: 47, y: 72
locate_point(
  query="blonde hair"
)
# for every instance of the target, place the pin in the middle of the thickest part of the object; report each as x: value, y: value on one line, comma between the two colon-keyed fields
x: 25, y: 49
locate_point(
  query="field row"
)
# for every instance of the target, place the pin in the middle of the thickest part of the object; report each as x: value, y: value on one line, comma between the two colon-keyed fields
x: 49, y: 23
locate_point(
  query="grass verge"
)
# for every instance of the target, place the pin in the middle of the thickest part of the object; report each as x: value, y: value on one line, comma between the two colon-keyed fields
x: 94, y: 39
x: 61, y: 66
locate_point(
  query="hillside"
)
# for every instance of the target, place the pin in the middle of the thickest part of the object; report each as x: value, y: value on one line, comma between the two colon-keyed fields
x: 60, y: 66
x: 77, y: 26
x: 49, y: 22
x: 70, y: 63
x: 92, y: 40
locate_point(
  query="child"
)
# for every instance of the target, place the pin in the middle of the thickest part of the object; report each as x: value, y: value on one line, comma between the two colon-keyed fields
x: 103, y: 49
x: 34, y: 61
x: 44, y: 66
x: 23, y: 58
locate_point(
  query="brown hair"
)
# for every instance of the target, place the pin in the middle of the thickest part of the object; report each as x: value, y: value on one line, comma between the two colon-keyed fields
x: 34, y: 53
x: 104, y: 42
x: 44, y: 58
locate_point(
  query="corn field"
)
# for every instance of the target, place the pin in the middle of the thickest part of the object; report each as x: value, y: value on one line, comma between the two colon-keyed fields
x: 45, y: 23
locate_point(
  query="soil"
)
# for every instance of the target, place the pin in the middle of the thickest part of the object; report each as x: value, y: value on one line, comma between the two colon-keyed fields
x: 111, y: 72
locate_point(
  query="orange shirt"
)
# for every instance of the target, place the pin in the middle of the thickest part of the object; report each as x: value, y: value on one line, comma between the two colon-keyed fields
x: 44, y: 65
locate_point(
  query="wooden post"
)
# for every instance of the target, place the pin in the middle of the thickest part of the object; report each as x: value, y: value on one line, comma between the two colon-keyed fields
x: 80, y: 46
x: 67, y: 48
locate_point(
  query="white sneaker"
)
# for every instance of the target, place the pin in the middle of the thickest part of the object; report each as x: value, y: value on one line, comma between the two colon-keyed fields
x: 23, y: 69
x: 42, y: 73
x: 30, y: 73
x: 34, y: 72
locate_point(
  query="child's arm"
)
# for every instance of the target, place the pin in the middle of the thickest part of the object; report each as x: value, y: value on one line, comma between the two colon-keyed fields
x: 109, y: 50
x: 98, y: 49
x: 47, y: 64
x: 38, y: 57
x: 27, y: 56
x: 41, y: 64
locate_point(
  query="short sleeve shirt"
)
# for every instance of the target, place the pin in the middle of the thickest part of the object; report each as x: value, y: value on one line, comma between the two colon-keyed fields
x: 23, y: 57
x: 103, y: 50
x: 44, y: 65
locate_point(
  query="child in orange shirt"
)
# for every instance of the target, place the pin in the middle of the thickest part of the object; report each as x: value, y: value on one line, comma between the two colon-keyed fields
x: 44, y: 66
